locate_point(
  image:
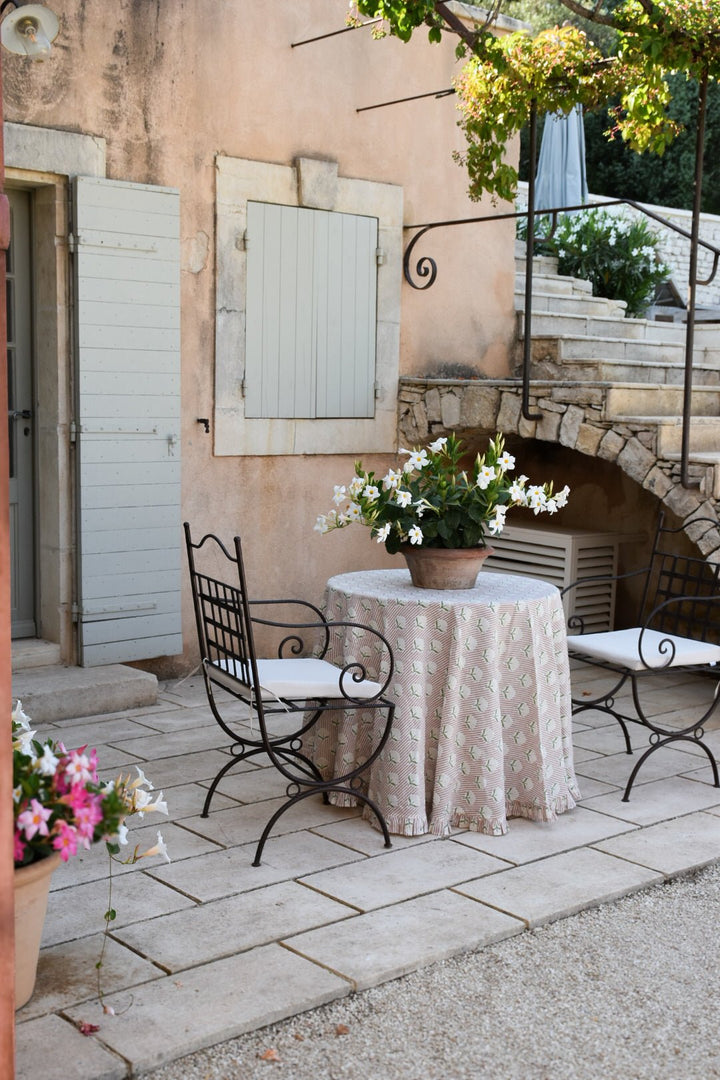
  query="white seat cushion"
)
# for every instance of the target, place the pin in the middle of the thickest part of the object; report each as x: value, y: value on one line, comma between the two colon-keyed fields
x: 622, y: 647
x: 301, y: 677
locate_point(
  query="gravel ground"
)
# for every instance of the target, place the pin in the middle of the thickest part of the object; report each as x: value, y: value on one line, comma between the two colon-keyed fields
x: 628, y: 991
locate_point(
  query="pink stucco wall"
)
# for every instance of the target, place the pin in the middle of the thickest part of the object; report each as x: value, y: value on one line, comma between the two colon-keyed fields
x: 169, y: 84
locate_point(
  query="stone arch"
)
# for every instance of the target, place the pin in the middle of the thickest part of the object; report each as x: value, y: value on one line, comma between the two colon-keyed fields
x: 571, y: 416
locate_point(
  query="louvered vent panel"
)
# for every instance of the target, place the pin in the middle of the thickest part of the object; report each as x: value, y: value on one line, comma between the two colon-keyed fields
x: 563, y: 556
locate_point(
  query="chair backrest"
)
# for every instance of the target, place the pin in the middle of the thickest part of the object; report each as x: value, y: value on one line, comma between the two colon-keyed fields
x: 689, y: 581
x: 222, y: 611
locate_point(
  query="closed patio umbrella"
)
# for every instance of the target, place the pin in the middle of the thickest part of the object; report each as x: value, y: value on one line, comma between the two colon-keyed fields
x: 560, y: 179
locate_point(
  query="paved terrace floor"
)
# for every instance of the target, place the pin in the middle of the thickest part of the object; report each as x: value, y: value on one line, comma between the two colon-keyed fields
x: 210, y: 947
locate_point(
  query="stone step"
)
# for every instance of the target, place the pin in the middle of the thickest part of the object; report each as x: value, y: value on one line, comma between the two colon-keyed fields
x: 704, y: 433
x: 552, y: 282
x: 61, y: 693
x: 602, y: 326
x: 583, y: 304
x: 591, y: 347
x: 641, y: 399
x: 549, y: 362
x: 34, y: 652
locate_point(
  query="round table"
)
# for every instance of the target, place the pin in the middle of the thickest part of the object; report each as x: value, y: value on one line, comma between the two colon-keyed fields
x: 482, y: 728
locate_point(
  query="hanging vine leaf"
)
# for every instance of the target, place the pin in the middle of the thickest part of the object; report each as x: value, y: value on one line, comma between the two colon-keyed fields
x: 559, y: 68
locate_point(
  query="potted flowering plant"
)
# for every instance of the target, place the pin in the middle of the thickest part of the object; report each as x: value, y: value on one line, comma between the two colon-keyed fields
x: 431, y: 501
x: 60, y: 806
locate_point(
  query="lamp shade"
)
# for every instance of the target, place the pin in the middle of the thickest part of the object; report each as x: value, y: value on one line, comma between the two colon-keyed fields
x: 29, y: 31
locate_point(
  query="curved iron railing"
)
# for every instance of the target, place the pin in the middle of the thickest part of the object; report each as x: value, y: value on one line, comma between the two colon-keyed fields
x: 426, y: 268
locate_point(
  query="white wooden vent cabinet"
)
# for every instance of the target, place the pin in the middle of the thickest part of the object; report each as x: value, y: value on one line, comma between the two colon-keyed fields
x: 563, y: 556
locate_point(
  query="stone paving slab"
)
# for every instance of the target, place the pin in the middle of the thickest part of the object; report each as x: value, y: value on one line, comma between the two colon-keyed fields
x: 358, y: 833
x: 370, y: 949
x: 173, y: 1016
x: 94, y: 732
x: 187, y: 768
x: 650, y: 803
x: 526, y: 841
x: 616, y: 768
x: 67, y: 974
x: 78, y: 910
x: 186, y: 800
x: 243, y: 824
x: 561, y: 885
x: 226, y: 873
x: 397, y: 876
x: 671, y: 847
x: 223, y: 927
x: 54, y: 1049
x: 173, y: 719
x: 169, y: 744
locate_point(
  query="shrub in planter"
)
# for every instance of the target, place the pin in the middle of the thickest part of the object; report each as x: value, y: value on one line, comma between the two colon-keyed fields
x: 618, y: 254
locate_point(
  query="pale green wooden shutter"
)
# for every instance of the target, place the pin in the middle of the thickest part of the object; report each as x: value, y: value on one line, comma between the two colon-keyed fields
x: 127, y: 427
x: 311, y: 310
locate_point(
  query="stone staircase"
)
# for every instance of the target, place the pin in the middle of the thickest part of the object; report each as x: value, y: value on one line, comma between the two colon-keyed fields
x: 633, y: 369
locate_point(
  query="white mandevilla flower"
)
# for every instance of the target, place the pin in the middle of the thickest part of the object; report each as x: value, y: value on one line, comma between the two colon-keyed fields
x: 24, y: 741
x: 159, y: 848
x: 355, y: 486
x: 403, y: 498
x: 383, y: 533
x: 321, y: 524
x: 418, y: 460
x: 353, y: 512
x: 536, y: 498
x: 485, y: 476
x: 141, y: 780
x: 436, y: 447
x: 339, y: 494
x: 415, y: 535
x: 159, y: 805
x: 497, y: 524
x: 19, y: 717
x: 371, y: 493
x: 48, y: 763
x: 516, y: 491
x: 391, y: 480
x: 506, y: 462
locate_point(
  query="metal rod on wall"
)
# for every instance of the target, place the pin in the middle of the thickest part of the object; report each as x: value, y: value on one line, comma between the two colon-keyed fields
x: 692, y: 281
x: 529, y: 252
x: 333, y: 33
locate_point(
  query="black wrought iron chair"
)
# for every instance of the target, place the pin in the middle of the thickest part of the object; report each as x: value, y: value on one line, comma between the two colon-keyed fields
x: 678, y: 630
x: 291, y: 685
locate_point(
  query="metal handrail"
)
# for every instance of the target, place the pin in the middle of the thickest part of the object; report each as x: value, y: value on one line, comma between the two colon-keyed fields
x: 426, y: 267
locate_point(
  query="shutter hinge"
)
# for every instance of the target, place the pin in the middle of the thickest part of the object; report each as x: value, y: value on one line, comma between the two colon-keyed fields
x: 72, y: 243
x: 75, y: 612
x: 73, y: 432
x: 242, y: 241
x: 378, y: 389
x: 380, y: 256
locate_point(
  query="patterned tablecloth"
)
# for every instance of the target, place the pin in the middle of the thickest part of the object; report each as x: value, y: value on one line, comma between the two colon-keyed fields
x: 482, y: 693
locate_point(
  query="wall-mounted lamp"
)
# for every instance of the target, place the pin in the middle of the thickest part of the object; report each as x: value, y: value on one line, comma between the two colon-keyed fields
x: 29, y: 30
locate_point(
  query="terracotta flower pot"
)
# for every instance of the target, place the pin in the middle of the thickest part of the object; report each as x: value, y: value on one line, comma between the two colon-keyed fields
x: 444, y: 568
x: 32, y: 887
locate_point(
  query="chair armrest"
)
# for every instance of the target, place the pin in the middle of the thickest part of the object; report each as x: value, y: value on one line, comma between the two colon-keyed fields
x: 353, y: 670
x: 667, y: 646
x: 576, y: 622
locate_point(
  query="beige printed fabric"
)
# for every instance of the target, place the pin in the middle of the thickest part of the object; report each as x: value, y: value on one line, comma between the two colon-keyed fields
x: 482, y: 729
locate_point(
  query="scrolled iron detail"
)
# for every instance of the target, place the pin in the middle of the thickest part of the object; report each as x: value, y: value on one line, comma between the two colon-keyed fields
x: 426, y: 267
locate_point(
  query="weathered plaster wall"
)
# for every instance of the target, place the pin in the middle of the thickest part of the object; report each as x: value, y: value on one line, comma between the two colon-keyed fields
x: 168, y: 86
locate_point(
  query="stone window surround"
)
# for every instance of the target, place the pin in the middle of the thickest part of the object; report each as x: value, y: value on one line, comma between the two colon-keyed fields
x: 315, y: 184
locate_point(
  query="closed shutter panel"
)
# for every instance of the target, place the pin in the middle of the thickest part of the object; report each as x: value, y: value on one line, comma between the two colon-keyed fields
x: 127, y: 295
x: 311, y: 313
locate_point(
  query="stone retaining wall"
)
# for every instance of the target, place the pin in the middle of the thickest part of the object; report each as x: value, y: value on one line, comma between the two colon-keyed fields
x: 572, y: 416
